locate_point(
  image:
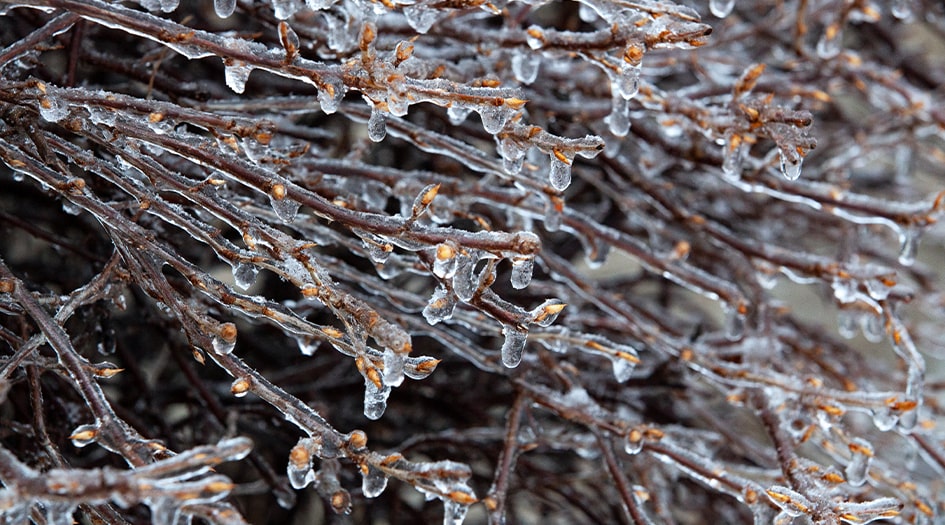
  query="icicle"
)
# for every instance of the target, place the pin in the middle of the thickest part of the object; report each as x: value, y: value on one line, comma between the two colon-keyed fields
x: 224, y: 8
x: 857, y: 469
x: 830, y: 42
x: 618, y: 121
x: 513, y: 155
x: 790, y: 163
x: 454, y: 512
x: 457, y: 113
x: 627, y: 82
x: 282, y: 205
x: 733, y: 154
x: 445, y: 260
x: 421, y: 16
x: 84, y: 435
x: 440, y: 307
x: 514, y: 345
x: 846, y: 323
x: 734, y: 323
x: 908, y: 245
x: 375, y: 399
x: 559, y: 174
x: 494, y: 117
x: 721, y: 8
x: 624, y: 362
x: 169, y: 5
x: 299, y: 468
x: 373, y: 482
x: 283, y: 9
x: 522, y: 268
x: 236, y: 76
x: 377, y: 125
x: 307, y: 345
x: 902, y: 9
x: 330, y: 96
x: 393, y: 368
x: 525, y: 66
x: 244, y: 275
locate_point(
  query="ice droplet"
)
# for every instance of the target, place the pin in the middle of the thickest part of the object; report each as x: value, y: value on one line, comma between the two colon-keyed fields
x: 307, y: 345
x: 830, y: 41
x: 236, y: 76
x: 858, y: 467
x: 169, y: 5
x: 464, y: 282
x: 285, y: 208
x: 445, y: 260
x: 735, y: 321
x: 457, y: 113
x: 240, y: 387
x: 373, y: 482
x: 421, y: 17
x: 514, y: 345
x: 627, y: 82
x: 420, y: 367
x: 84, y: 435
x: 618, y: 121
x: 733, y: 154
x: 721, y: 8
x: 534, y: 37
x: 377, y: 125
x: 884, y: 419
x: 902, y: 9
x: 908, y: 246
x: 440, y: 307
x: 393, y: 368
x: 330, y: 96
x: 513, y: 155
x: 846, y: 323
x: 494, y: 118
x: 222, y: 346
x: 559, y: 175
x: 375, y: 399
x: 624, y: 364
x: 454, y: 512
x: 633, y: 443
x: 224, y: 8
x: 522, y: 268
x: 525, y: 66
x: 299, y: 468
x: 283, y: 9
x: 790, y: 164
x: 244, y: 275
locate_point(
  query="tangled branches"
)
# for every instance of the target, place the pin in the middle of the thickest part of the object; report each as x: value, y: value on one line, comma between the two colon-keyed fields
x: 582, y: 230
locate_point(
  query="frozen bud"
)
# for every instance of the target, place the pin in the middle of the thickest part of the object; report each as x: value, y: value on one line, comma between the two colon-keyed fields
x: 240, y: 387
x: 357, y: 440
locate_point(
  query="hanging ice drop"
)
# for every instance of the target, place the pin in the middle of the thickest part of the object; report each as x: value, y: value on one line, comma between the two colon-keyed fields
x: 224, y: 8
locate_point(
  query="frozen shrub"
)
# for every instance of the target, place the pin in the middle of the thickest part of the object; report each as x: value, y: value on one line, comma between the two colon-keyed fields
x: 579, y: 262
